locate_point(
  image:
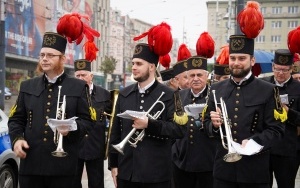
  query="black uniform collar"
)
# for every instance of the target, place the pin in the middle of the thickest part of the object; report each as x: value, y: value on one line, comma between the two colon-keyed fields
x: 246, y: 82
x: 285, y: 84
x: 134, y: 88
x: 58, y: 81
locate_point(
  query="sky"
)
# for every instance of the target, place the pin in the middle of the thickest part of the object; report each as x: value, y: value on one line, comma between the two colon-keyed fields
x: 189, y: 16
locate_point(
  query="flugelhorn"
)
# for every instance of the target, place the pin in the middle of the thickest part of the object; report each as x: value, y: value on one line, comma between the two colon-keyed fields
x: 139, y: 135
x: 114, y: 96
x: 58, y: 137
x: 232, y: 155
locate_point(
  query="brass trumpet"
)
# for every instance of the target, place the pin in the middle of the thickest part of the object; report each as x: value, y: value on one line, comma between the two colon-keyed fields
x: 232, y: 155
x: 139, y: 135
x: 58, y: 137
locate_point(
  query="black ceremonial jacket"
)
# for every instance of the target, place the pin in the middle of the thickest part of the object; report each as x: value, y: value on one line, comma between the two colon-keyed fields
x: 250, y: 108
x: 92, y: 145
x: 195, y: 151
x: 150, y: 161
x: 37, y: 101
x: 287, y: 146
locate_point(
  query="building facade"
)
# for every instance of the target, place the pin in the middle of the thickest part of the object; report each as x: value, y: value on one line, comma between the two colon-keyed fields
x: 280, y: 17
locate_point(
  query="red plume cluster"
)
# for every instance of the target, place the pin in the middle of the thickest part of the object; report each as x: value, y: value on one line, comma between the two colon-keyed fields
x: 205, y: 46
x: 251, y: 20
x: 293, y: 40
x: 223, y: 58
x: 296, y: 57
x: 183, y: 53
x: 74, y: 29
x: 159, y: 38
x: 165, y: 61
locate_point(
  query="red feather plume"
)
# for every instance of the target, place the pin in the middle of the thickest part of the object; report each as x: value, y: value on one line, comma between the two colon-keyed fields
x: 159, y: 38
x: 296, y: 57
x: 165, y: 61
x: 74, y: 29
x: 251, y: 20
x: 183, y: 53
x: 223, y: 58
x: 205, y: 46
x: 293, y: 40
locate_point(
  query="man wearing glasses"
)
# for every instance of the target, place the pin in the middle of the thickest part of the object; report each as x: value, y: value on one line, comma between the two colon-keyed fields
x: 283, y: 161
x: 39, y: 98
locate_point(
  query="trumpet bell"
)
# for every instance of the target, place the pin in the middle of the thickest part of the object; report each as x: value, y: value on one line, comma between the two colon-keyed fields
x: 232, y: 157
x: 59, y: 153
x: 118, y: 148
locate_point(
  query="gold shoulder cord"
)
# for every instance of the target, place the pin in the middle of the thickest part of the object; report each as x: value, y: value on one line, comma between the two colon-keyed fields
x: 91, y: 109
x: 279, y: 112
x: 180, y: 117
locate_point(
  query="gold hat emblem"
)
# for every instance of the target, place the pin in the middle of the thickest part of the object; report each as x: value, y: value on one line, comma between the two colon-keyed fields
x: 49, y: 40
x: 80, y: 65
x: 138, y: 50
x: 185, y: 64
x: 283, y: 59
x: 197, y: 62
x: 237, y: 44
x: 226, y: 70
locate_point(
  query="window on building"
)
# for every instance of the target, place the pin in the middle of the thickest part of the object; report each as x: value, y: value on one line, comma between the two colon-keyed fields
x: 260, y: 39
x: 263, y: 10
x: 276, y: 10
x: 292, y: 24
x: 276, y: 24
x: 275, y: 38
x: 293, y: 9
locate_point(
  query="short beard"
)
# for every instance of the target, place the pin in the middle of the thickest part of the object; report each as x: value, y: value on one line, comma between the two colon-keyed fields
x: 143, y: 77
x: 241, y: 74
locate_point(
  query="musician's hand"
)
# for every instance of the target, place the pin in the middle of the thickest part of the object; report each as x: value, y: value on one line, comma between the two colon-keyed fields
x: 63, y: 129
x: 285, y: 107
x: 114, y: 174
x: 19, y: 147
x: 244, y: 142
x: 139, y: 123
x: 216, y: 118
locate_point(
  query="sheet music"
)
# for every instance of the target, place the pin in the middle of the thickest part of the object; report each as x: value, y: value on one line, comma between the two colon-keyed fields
x: 194, y: 109
x: 129, y: 114
x: 56, y: 123
x: 251, y: 147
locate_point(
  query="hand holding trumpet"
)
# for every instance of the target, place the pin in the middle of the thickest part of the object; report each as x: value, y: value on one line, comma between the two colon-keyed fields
x: 216, y: 118
x: 140, y: 123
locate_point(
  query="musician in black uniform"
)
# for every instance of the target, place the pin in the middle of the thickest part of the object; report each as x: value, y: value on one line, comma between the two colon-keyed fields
x: 180, y: 68
x: 221, y: 67
x: 92, y: 146
x: 32, y: 138
x: 255, y: 112
x: 149, y: 164
x: 283, y: 153
x: 193, y: 155
x: 168, y: 78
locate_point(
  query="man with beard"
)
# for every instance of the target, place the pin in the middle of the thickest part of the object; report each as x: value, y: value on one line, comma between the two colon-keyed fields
x: 254, y: 113
x: 148, y: 164
x: 29, y: 130
x: 92, y: 146
x: 283, y: 160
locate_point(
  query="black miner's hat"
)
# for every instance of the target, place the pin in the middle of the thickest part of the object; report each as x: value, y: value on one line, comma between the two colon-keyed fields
x: 82, y: 64
x: 283, y: 57
x: 55, y: 41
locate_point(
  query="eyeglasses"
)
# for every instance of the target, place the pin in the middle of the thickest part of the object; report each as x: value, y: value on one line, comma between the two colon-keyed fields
x: 281, y: 70
x: 48, y: 56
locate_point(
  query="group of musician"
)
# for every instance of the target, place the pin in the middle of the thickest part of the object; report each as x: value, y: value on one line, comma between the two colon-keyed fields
x: 164, y: 146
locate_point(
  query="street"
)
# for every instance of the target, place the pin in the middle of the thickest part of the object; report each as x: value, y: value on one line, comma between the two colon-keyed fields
x: 107, y: 176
